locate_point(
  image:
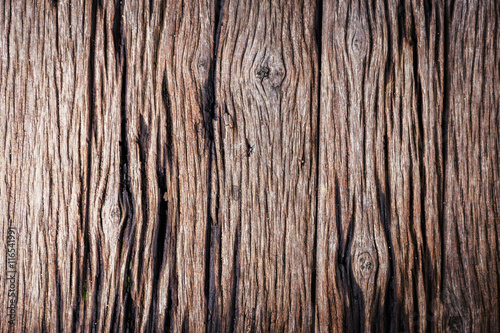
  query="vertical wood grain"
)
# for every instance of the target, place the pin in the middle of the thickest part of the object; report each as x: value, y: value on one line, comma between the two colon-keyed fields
x: 244, y: 165
x: 43, y: 165
x: 265, y: 181
x: 471, y: 183
x: 380, y: 176
x: 149, y: 169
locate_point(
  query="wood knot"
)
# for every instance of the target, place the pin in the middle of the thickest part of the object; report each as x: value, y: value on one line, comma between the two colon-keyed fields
x: 277, y: 77
x: 358, y: 40
x: 364, y: 264
x: 203, y: 63
x: 116, y: 213
x: 358, y: 44
x: 263, y: 73
x: 273, y: 71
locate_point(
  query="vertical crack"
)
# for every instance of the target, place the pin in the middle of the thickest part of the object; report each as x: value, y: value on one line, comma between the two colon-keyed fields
x: 125, y: 187
x: 58, y: 295
x: 318, y: 26
x: 164, y: 229
x: 118, y: 35
x: 210, y: 115
x: 87, y: 271
x: 169, y: 123
x: 418, y: 134
x: 143, y: 143
x: 384, y: 198
x: 444, y: 132
x: 234, y: 310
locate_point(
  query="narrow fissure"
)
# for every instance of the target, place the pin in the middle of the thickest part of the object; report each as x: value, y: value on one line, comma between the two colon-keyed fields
x: 87, y: 271
x: 389, y: 303
x: 58, y: 115
x: 118, y: 35
x: 444, y: 137
x: 161, y: 235
x: 78, y: 279
x: 164, y: 231
x: 319, y: 49
x: 143, y: 144
x: 169, y: 123
x: 210, y: 115
x: 418, y: 134
x: 125, y: 188
x: 234, y: 311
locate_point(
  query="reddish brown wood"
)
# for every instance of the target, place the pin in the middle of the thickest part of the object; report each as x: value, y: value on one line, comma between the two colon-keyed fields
x: 244, y: 165
x: 381, y: 156
x: 265, y: 167
x: 44, y: 104
x: 471, y: 176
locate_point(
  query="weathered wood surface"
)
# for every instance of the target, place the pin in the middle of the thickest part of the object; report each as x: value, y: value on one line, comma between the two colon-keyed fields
x: 381, y: 159
x: 471, y: 205
x: 265, y: 167
x: 248, y: 165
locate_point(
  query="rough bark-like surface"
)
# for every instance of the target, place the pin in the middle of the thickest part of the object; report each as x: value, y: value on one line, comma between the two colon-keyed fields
x: 44, y: 103
x: 387, y: 216
x: 149, y: 165
x: 472, y: 168
x: 105, y: 162
x: 244, y: 165
x: 265, y: 180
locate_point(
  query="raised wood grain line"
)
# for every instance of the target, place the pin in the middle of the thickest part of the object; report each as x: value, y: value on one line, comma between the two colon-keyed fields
x: 266, y: 92
x: 242, y: 165
x: 382, y: 79
x: 44, y: 127
x: 470, y: 258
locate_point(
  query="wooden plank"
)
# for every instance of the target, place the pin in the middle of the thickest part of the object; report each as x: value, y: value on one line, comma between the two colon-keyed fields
x: 265, y: 180
x: 471, y: 270
x: 149, y: 165
x: 43, y: 165
x: 187, y: 95
x: 105, y: 158
x: 380, y: 174
x: 260, y: 166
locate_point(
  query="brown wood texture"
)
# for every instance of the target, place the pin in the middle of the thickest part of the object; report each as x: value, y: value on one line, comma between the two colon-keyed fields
x: 380, y: 199
x: 238, y: 165
x: 265, y: 167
